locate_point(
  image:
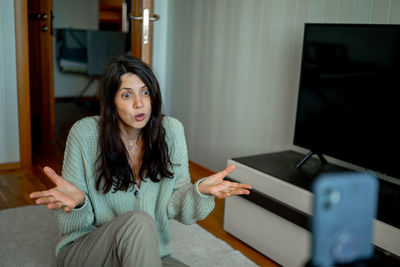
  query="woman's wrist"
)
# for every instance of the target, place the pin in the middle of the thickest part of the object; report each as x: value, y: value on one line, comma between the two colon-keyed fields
x: 201, y: 188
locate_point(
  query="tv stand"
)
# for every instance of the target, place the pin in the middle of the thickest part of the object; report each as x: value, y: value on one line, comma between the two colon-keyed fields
x: 275, y: 218
x: 304, y: 160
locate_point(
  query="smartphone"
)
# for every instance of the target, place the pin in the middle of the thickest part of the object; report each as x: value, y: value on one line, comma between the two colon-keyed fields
x: 344, y: 208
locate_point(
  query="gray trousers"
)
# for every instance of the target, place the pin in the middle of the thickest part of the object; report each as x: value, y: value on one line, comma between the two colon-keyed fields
x: 131, y: 239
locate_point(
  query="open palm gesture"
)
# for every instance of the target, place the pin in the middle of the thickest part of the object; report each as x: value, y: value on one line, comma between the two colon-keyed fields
x: 217, y: 186
x: 64, y: 195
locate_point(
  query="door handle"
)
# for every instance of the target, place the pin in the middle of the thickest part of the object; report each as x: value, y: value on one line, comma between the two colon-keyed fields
x: 153, y: 18
x: 146, y: 23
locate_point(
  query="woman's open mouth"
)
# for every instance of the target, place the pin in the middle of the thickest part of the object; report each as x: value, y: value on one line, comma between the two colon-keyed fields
x: 139, y: 117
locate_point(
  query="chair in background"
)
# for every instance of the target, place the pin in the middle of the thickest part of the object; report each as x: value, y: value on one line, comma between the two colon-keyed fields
x: 87, y: 51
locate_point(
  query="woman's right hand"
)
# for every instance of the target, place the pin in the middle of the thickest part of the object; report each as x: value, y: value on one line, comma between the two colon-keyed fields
x: 65, y: 195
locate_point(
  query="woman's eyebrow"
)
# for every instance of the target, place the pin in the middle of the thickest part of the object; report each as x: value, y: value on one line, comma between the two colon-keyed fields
x: 131, y: 89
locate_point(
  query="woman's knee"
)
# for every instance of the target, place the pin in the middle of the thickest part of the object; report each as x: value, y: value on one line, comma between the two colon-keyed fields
x: 140, y: 217
x: 138, y: 230
x: 136, y: 222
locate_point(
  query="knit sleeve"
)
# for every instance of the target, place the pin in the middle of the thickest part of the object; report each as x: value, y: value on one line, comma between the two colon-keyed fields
x: 74, y: 171
x: 187, y: 204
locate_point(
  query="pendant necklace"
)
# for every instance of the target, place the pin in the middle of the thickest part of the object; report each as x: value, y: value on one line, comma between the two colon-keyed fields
x: 130, y: 147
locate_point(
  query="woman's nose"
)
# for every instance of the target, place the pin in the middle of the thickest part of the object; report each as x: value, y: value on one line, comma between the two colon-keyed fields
x: 137, y: 102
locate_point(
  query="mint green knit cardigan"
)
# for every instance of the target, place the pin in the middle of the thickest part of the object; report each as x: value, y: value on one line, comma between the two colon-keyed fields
x: 175, y: 198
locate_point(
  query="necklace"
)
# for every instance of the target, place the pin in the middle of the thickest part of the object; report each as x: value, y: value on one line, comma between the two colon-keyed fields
x: 130, y: 147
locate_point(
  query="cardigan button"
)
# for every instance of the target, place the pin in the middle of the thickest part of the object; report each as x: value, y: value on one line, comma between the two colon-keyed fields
x: 136, y: 194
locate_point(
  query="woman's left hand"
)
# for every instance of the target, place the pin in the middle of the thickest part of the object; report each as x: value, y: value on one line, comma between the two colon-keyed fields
x: 217, y: 186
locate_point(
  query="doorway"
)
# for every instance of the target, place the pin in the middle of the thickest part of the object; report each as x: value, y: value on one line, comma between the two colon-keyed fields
x: 74, y: 94
x: 75, y: 89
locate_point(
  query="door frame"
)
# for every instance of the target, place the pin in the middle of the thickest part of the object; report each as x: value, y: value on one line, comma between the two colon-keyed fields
x: 23, y: 77
x: 23, y: 87
x: 139, y: 48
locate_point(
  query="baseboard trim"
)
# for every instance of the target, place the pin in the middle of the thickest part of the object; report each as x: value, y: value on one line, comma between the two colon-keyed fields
x: 10, y: 166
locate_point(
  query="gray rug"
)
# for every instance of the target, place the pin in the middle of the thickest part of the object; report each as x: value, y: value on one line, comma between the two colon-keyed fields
x: 29, y: 234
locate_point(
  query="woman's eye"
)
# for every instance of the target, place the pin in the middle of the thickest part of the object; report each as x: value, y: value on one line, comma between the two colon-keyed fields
x: 126, y: 95
x: 146, y: 92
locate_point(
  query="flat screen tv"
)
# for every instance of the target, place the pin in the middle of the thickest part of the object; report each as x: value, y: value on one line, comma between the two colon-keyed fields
x: 349, y: 95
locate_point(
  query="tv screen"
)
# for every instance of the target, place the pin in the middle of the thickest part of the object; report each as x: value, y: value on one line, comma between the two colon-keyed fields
x: 349, y: 94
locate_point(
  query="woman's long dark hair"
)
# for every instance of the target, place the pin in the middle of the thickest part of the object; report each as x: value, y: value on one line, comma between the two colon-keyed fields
x: 114, y: 170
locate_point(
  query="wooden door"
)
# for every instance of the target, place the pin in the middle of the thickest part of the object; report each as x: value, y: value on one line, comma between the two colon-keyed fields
x: 142, y: 18
x: 41, y: 70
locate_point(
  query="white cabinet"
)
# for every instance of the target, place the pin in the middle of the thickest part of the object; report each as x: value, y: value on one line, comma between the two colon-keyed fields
x: 274, y: 218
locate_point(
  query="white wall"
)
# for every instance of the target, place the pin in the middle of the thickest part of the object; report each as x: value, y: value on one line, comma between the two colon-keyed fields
x: 9, y: 134
x: 160, y: 48
x: 76, y: 14
x: 232, y: 69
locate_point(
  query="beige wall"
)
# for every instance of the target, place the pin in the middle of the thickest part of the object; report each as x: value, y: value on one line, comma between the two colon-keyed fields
x: 233, y: 69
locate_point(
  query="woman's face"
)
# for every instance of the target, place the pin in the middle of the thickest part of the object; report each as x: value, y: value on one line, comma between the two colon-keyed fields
x: 133, y: 103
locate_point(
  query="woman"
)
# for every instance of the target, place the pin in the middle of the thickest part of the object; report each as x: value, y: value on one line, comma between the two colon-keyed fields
x: 125, y: 174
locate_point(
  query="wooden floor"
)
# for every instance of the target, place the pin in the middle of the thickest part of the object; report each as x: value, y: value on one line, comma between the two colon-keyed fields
x: 214, y: 223
x: 15, y: 185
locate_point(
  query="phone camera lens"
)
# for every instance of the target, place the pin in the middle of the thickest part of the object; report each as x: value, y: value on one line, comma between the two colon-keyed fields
x: 335, y: 197
x: 326, y: 205
x: 327, y: 191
